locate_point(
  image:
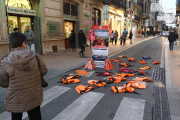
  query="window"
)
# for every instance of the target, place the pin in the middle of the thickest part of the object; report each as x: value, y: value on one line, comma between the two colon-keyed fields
x: 66, y: 8
x: 70, y: 9
x: 96, y: 15
x: 74, y: 10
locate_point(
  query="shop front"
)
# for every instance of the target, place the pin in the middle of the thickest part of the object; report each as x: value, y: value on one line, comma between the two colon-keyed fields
x: 20, y: 14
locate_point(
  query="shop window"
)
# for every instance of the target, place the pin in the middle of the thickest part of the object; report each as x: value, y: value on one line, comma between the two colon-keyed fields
x: 13, y: 23
x: 70, y: 9
x: 68, y: 27
x: 26, y: 4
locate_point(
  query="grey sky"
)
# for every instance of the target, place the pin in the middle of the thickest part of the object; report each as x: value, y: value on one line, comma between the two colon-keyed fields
x: 169, y: 5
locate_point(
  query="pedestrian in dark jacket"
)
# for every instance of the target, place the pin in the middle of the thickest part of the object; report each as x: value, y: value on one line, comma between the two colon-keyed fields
x: 20, y: 74
x: 171, y: 38
x: 130, y: 37
x: 73, y: 40
x: 82, y: 42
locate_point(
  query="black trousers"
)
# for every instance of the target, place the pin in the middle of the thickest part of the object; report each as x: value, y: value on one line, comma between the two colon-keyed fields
x: 82, y: 50
x: 115, y: 41
x: 112, y: 39
x: 34, y: 114
x: 121, y: 42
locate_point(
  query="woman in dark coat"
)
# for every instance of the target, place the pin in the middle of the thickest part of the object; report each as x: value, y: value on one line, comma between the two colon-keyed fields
x: 82, y: 41
x: 130, y: 36
x: 73, y: 40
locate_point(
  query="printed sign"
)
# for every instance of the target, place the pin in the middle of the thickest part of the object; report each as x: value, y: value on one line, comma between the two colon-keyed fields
x: 100, y: 45
x: 16, y: 10
x: 53, y: 28
x: 70, y: 18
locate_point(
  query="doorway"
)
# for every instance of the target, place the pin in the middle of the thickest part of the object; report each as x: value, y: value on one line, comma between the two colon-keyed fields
x: 68, y: 27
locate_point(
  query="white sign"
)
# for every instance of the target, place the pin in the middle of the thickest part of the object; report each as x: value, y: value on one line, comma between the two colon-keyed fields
x: 22, y: 11
x: 106, y: 8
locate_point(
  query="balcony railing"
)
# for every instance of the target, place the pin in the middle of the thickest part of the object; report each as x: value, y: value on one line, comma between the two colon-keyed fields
x: 117, y: 3
x: 137, y: 18
x: 138, y: 3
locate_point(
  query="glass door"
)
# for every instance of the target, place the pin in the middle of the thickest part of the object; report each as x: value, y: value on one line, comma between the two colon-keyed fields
x: 25, y: 21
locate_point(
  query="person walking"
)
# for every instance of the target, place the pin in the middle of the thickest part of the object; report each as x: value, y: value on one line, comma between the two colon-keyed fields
x: 73, y: 40
x: 171, y: 38
x: 112, y: 37
x: 176, y: 35
x: 125, y: 33
x: 130, y: 36
x: 30, y: 38
x: 21, y: 75
x: 121, y: 39
x: 124, y: 39
x: 82, y: 41
x: 115, y: 36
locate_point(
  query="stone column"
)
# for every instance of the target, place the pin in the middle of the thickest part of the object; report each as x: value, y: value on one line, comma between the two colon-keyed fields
x: 3, y: 22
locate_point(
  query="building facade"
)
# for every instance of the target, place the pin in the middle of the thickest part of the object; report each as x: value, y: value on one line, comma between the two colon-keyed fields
x: 53, y: 20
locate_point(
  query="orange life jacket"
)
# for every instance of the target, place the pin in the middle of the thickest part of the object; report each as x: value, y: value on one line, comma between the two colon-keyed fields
x: 135, y: 84
x: 116, y: 79
x: 68, y: 81
x: 82, y: 72
x: 145, y: 68
x: 92, y: 82
x: 142, y: 62
x: 116, y: 60
x: 125, y: 65
x: 156, y: 62
x: 90, y: 64
x: 125, y: 75
x: 122, y: 89
x: 145, y: 79
x: 84, y: 89
x: 122, y: 56
x: 131, y: 59
x: 108, y: 65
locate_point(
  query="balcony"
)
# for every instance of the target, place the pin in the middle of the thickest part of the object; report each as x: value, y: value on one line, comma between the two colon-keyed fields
x: 116, y: 3
x: 137, y: 4
x: 137, y: 18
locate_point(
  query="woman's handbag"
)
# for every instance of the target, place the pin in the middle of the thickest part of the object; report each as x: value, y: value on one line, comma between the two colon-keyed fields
x: 43, y: 82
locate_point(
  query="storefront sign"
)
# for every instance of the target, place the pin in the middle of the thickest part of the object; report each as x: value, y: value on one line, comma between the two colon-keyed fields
x: 16, y: 10
x: 70, y: 18
x: 53, y: 28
